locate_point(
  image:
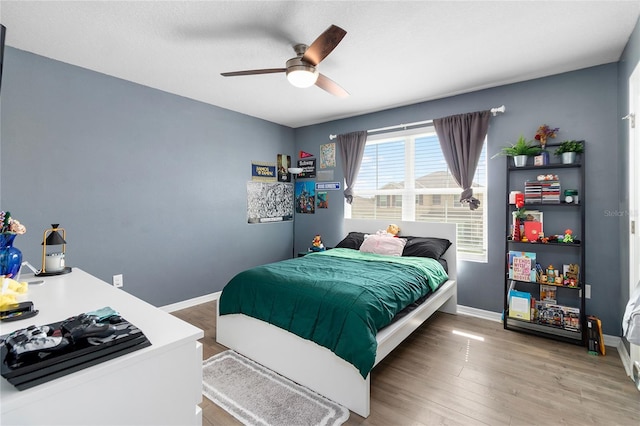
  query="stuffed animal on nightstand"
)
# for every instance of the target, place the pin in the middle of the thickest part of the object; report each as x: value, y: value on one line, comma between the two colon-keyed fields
x: 317, y: 245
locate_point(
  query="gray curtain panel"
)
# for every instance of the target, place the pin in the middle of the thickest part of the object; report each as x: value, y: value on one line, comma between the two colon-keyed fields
x: 461, y: 139
x: 351, y: 147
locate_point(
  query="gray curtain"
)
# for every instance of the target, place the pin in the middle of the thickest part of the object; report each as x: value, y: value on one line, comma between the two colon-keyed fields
x: 351, y: 147
x: 461, y: 139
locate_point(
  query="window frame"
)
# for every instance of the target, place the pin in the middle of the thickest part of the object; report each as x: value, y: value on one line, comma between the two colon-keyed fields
x: 409, y: 194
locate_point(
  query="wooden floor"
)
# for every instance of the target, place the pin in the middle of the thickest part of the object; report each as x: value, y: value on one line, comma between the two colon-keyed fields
x: 508, y: 378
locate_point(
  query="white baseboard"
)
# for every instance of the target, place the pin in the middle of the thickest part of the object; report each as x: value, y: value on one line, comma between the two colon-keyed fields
x: 479, y: 313
x: 191, y: 302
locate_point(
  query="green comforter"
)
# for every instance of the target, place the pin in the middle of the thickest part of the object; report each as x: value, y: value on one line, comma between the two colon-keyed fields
x: 337, y: 298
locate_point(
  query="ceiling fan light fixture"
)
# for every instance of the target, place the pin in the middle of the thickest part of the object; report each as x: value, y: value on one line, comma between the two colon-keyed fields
x: 301, y: 71
x: 302, y: 75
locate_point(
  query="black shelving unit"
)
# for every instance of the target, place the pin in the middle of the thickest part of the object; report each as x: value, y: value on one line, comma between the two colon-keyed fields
x: 552, y: 252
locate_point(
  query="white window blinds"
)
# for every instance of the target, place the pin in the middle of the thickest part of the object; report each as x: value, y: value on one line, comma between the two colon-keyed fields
x: 404, y: 176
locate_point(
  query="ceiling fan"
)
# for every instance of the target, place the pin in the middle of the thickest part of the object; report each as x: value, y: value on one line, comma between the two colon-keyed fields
x: 302, y: 70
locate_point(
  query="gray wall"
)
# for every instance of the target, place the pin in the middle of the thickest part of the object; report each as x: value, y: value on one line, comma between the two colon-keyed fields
x: 146, y: 184
x: 584, y: 105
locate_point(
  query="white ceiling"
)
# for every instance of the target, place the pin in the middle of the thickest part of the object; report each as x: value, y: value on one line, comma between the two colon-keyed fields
x: 395, y: 52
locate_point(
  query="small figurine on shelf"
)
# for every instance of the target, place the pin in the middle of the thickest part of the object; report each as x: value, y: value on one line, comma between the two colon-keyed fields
x: 568, y: 238
x: 317, y: 244
x: 571, y: 273
x: 551, y: 272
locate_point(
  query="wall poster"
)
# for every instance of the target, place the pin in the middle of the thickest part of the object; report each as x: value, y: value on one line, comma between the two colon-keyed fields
x: 263, y: 172
x: 269, y: 202
x: 305, y: 197
x: 322, y: 200
x: 308, y: 168
x: 327, y: 155
x: 283, y: 163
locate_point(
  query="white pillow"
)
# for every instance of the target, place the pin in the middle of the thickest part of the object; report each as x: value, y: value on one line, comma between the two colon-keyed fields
x: 383, y: 244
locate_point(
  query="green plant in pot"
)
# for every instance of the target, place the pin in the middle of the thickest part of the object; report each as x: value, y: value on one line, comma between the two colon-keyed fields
x: 568, y: 150
x: 521, y: 150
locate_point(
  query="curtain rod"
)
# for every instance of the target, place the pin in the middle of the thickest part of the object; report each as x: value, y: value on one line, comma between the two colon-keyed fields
x: 494, y: 111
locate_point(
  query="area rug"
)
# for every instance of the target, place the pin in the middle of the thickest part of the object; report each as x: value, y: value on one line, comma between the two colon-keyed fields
x: 256, y: 395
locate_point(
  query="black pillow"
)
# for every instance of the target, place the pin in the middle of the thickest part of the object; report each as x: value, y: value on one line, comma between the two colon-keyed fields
x: 426, y: 247
x: 352, y: 241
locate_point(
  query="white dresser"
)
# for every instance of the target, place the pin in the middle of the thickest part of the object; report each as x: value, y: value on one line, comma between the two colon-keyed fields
x: 157, y: 385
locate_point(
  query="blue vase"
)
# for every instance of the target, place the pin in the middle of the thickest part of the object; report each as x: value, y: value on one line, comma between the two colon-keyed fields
x: 10, y: 257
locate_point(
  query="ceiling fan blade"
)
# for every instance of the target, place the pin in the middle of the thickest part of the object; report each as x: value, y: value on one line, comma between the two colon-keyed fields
x: 325, y: 83
x: 253, y: 72
x: 323, y: 45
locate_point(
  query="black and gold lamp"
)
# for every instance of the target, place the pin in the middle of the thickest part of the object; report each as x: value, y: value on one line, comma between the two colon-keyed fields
x: 53, y: 263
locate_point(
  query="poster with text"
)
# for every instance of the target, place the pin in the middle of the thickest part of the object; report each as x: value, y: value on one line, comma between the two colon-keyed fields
x: 269, y: 202
x: 305, y: 200
x: 308, y: 167
x: 262, y: 171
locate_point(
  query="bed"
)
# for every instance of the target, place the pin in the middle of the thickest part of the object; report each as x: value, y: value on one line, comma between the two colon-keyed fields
x: 319, y: 368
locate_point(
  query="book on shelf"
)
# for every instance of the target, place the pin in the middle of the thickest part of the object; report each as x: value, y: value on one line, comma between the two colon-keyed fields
x: 522, y: 266
x: 532, y: 229
x: 565, y: 317
x: 542, y: 192
x: 551, y: 192
x: 548, y: 293
x: 520, y: 305
x: 571, y: 319
x: 532, y: 192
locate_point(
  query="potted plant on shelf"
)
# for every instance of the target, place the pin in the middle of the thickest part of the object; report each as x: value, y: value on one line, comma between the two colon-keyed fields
x: 568, y: 151
x: 520, y: 151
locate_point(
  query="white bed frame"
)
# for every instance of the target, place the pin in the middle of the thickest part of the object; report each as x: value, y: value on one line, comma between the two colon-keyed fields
x: 316, y: 367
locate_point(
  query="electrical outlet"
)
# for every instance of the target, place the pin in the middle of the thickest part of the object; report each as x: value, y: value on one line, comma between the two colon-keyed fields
x: 587, y: 291
x: 117, y: 281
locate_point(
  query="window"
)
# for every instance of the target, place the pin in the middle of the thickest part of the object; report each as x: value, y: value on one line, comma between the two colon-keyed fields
x: 404, y: 176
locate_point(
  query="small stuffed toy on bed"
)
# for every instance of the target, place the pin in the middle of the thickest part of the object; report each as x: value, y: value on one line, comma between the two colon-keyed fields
x: 393, y: 229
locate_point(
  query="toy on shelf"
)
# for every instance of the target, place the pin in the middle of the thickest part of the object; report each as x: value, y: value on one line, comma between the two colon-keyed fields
x: 542, y: 178
x: 571, y: 273
x: 568, y: 238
